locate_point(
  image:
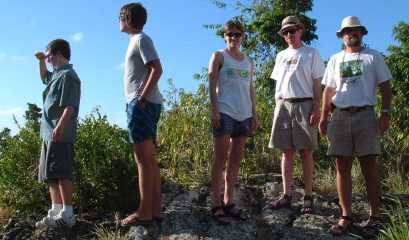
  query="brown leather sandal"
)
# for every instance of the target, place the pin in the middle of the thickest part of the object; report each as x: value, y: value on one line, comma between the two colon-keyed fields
x: 283, y: 202
x: 338, y: 229
x: 308, y: 207
x: 219, y: 215
x: 233, y: 211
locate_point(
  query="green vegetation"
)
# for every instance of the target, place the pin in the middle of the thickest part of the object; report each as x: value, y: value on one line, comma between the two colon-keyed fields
x: 398, y: 227
x: 105, y: 170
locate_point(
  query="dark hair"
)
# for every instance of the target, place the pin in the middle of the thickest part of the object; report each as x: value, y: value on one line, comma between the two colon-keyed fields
x: 234, y: 24
x: 134, y: 14
x: 59, y: 46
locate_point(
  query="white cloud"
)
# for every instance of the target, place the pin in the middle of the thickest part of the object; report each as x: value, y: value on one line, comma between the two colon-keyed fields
x: 120, y: 66
x: 77, y: 37
x: 11, y: 111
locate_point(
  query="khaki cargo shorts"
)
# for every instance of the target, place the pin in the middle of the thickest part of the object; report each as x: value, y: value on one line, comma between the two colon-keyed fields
x: 352, y: 134
x: 291, y: 128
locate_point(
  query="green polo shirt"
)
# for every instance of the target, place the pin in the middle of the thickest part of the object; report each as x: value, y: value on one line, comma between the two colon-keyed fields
x: 63, y: 89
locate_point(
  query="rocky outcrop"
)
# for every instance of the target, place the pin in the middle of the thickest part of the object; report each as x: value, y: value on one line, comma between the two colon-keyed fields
x: 186, y: 216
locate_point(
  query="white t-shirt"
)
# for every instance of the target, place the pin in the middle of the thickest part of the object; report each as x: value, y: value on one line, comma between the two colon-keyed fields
x: 140, y: 51
x: 234, y: 87
x: 295, y: 71
x: 355, y: 77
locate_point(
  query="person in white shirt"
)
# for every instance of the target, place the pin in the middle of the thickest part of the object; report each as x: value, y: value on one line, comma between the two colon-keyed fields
x: 351, y: 79
x: 298, y: 71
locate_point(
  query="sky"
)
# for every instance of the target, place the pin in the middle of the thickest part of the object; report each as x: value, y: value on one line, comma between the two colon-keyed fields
x: 176, y: 27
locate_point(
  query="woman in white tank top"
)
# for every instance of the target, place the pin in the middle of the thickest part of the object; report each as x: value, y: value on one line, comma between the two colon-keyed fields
x: 232, y: 97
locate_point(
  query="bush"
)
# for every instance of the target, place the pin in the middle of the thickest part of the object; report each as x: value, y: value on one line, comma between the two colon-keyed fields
x: 104, y: 169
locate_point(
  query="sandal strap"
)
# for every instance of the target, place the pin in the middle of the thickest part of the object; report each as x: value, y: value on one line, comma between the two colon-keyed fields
x: 286, y: 197
x: 348, y: 218
x: 308, y: 198
x: 215, y: 209
x: 228, y: 207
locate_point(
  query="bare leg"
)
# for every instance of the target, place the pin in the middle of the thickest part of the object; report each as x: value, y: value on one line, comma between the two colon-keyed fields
x: 233, y: 166
x: 221, y: 148
x: 55, y: 193
x: 144, y: 157
x: 157, y: 195
x: 287, y: 166
x: 370, y: 170
x: 344, y: 186
x: 65, y: 189
x: 308, y: 170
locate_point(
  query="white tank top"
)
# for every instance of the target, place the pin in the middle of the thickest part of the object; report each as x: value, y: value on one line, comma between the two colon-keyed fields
x: 234, y: 87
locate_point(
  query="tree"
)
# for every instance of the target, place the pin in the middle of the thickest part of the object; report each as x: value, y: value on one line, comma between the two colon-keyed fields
x: 398, y: 62
x: 262, y: 20
x: 33, y: 117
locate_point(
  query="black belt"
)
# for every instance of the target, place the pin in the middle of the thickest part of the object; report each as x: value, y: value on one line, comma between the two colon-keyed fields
x: 297, y: 100
x: 354, y: 109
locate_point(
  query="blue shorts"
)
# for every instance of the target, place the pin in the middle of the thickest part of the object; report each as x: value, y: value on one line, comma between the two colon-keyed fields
x: 142, y: 123
x: 232, y: 127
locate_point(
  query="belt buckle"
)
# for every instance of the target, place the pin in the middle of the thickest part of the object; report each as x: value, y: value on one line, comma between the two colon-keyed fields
x: 354, y: 109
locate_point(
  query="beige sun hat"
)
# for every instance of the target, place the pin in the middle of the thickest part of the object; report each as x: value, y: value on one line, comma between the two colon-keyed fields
x: 351, y: 22
x: 290, y: 21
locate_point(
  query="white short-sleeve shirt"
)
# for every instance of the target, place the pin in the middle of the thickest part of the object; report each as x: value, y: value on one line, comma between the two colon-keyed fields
x: 355, y: 77
x: 295, y: 71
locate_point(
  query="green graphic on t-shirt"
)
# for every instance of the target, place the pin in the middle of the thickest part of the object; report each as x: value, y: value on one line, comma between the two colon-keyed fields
x: 233, y: 72
x: 351, y: 68
x: 244, y: 73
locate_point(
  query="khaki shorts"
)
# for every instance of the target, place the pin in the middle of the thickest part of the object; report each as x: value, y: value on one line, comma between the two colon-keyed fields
x: 291, y: 128
x: 352, y: 134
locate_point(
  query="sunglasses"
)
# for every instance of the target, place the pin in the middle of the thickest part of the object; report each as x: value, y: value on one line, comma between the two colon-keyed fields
x: 234, y: 34
x: 122, y: 16
x: 289, y: 31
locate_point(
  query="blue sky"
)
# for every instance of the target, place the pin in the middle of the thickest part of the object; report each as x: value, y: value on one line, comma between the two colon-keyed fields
x: 176, y: 27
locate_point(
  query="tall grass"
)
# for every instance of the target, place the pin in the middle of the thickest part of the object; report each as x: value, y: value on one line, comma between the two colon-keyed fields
x: 398, y: 227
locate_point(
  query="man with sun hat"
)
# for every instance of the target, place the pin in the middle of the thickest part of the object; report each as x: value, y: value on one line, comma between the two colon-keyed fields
x: 351, y: 80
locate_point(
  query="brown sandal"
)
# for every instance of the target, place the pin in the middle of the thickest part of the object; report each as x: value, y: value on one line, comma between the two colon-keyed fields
x: 283, y: 202
x: 338, y: 229
x: 308, y: 207
x: 233, y: 211
x: 222, y: 217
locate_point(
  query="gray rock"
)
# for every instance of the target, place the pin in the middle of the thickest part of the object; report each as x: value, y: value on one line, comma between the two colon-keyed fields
x: 187, y: 216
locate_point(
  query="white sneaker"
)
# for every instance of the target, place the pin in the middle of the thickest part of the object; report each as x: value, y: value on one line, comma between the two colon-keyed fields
x: 64, y: 220
x: 46, y: 221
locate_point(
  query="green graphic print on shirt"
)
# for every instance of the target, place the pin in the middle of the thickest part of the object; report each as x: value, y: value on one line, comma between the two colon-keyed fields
x: 351, y: 70
x: 233, y: 72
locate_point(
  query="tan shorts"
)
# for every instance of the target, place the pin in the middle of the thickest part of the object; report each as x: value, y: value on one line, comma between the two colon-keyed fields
x: 352, y: 134
x: 291, y: 128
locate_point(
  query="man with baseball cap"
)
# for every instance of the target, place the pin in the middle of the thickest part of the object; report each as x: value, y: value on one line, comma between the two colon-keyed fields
x: 351, y: 79
x: 298, y: 71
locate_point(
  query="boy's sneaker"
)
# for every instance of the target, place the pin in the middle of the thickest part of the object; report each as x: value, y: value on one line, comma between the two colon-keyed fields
x: 64, y: 220
x: 61, y: 220
x: 46, y: 221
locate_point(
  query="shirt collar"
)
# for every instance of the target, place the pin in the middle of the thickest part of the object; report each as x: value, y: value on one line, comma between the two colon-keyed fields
x: 64, y: 67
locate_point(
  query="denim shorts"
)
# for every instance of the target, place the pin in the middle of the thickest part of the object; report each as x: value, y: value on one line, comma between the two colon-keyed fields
x: 232, y: 127
x: 142, y: 122
x: 56, y: 161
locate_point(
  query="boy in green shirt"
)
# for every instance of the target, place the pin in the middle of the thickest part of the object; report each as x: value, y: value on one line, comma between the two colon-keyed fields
x: 58, y: 130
